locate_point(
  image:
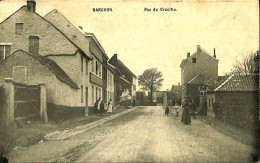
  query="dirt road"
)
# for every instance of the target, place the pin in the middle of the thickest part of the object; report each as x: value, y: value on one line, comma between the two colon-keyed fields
x: 144, y: 135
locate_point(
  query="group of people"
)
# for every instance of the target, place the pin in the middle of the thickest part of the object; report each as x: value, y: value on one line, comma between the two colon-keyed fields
x: 185, y: 107
x: 99, y: 107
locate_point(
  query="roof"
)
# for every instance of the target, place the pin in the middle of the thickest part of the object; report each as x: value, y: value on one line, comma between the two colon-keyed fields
x: 24, y: 6
x: 126, y: 67
x: 52, y: 66
x: 92, y: 36
x: 239, y: 83
x: 111, y: 68
x: 203, y: 51
x: 69, y: 30
x: 114, y: 58
x: 202, y: 79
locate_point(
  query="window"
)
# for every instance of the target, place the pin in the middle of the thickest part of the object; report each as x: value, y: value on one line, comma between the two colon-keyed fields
x: 81, y: 63
x: 34, y: 44
x: 212, y: 101
x: 4, y: 51
x: 96, y: 67
x: 93, y: 95
x: 86, y: 67
x: 19, y: 74
x: 193, y: 60
x: 96, y: 94
x: 18, y: 28
x: 99, y: 93
x: 81, y: 94
x: 209, y: 101
x: 93, y: 66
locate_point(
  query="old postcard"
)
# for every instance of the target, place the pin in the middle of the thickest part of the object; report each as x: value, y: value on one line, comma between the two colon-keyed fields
x: 129, y: 81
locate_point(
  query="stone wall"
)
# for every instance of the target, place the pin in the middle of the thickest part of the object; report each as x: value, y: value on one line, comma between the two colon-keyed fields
x: 239, y: 109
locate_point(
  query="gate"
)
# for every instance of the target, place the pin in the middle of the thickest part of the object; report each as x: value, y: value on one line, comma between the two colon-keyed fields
x: 26, y: 100
x: 22, y: 100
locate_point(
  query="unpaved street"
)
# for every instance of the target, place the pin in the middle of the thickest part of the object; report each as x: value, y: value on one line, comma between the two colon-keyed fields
x: 144, y: 134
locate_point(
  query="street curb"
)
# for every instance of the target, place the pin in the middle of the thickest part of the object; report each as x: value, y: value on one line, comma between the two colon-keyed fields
x: 60, y: 135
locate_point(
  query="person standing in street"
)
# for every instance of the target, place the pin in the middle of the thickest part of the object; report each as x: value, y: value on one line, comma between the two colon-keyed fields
x: 95, y: 107
x: 167, y: 110
x: 102, y: 107
x: 110, y: 106
x: 185, y: 113
x: 98, y: 105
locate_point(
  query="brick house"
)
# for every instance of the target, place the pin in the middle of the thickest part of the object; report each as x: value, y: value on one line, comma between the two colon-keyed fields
x: 236, y: 101
x: 199, y: 63
x: 28, y: 31
x: 97, y: 68
x: 125, y: 89
x: 24, y: 67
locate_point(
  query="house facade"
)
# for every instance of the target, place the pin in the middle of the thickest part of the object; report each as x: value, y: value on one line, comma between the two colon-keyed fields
x: 125, y: 82
x: 199, y: 71
x: 78, y: 54
x: 32, y: 69
x: 28, y: 31
x: 110, y: 83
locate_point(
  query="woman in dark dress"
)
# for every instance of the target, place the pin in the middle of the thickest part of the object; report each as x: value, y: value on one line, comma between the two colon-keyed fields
x: 95, y: 107
x: 185, y: 113
x: 102, y: 107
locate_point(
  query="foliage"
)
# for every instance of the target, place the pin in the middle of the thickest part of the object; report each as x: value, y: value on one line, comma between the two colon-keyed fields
x: 151, y: 80
x: 248, y: 65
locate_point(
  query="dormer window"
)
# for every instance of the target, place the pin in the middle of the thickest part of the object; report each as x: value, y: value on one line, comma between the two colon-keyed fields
x: 194, y: 60
x: 18, y: 28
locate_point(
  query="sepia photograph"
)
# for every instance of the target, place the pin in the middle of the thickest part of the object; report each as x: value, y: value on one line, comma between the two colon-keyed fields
x: 129, y: 81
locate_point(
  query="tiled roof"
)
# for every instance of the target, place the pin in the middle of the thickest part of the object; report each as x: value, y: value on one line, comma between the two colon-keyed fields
x: 68, y: 29
x: 239, y: 83
x: 53, y: 67
x: 202, y: 79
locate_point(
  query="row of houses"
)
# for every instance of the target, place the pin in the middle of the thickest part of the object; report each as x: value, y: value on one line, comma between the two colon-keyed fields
x: 232, y: 99
x: 71, y: 63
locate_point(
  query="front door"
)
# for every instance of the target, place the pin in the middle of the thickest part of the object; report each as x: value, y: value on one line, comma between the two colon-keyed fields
x: 86, y: 107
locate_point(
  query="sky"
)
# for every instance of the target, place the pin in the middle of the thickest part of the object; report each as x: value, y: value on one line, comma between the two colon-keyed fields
x: 161, y: 39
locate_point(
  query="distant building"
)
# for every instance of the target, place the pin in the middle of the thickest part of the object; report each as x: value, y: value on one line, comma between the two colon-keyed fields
x: 199, y: 63
x: 125, y: 82
x: 111, y: 71
x: 176, y: 92
x: 236, y: 101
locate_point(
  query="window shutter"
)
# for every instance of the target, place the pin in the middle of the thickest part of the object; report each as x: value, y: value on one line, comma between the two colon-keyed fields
x: 34, y: 44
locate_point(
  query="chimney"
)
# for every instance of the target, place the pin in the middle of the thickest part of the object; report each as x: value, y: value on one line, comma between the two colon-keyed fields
x: 214, y: 53
x: 198, y: 48
x: 188, y: 55
x: 178, y: 84
x: 115, y: 56
x: 80, y: 27
x: 31, y: 5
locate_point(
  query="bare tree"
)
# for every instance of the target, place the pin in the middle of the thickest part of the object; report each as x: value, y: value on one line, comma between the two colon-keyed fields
x: 248, y: 65
x: 151, y: 80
